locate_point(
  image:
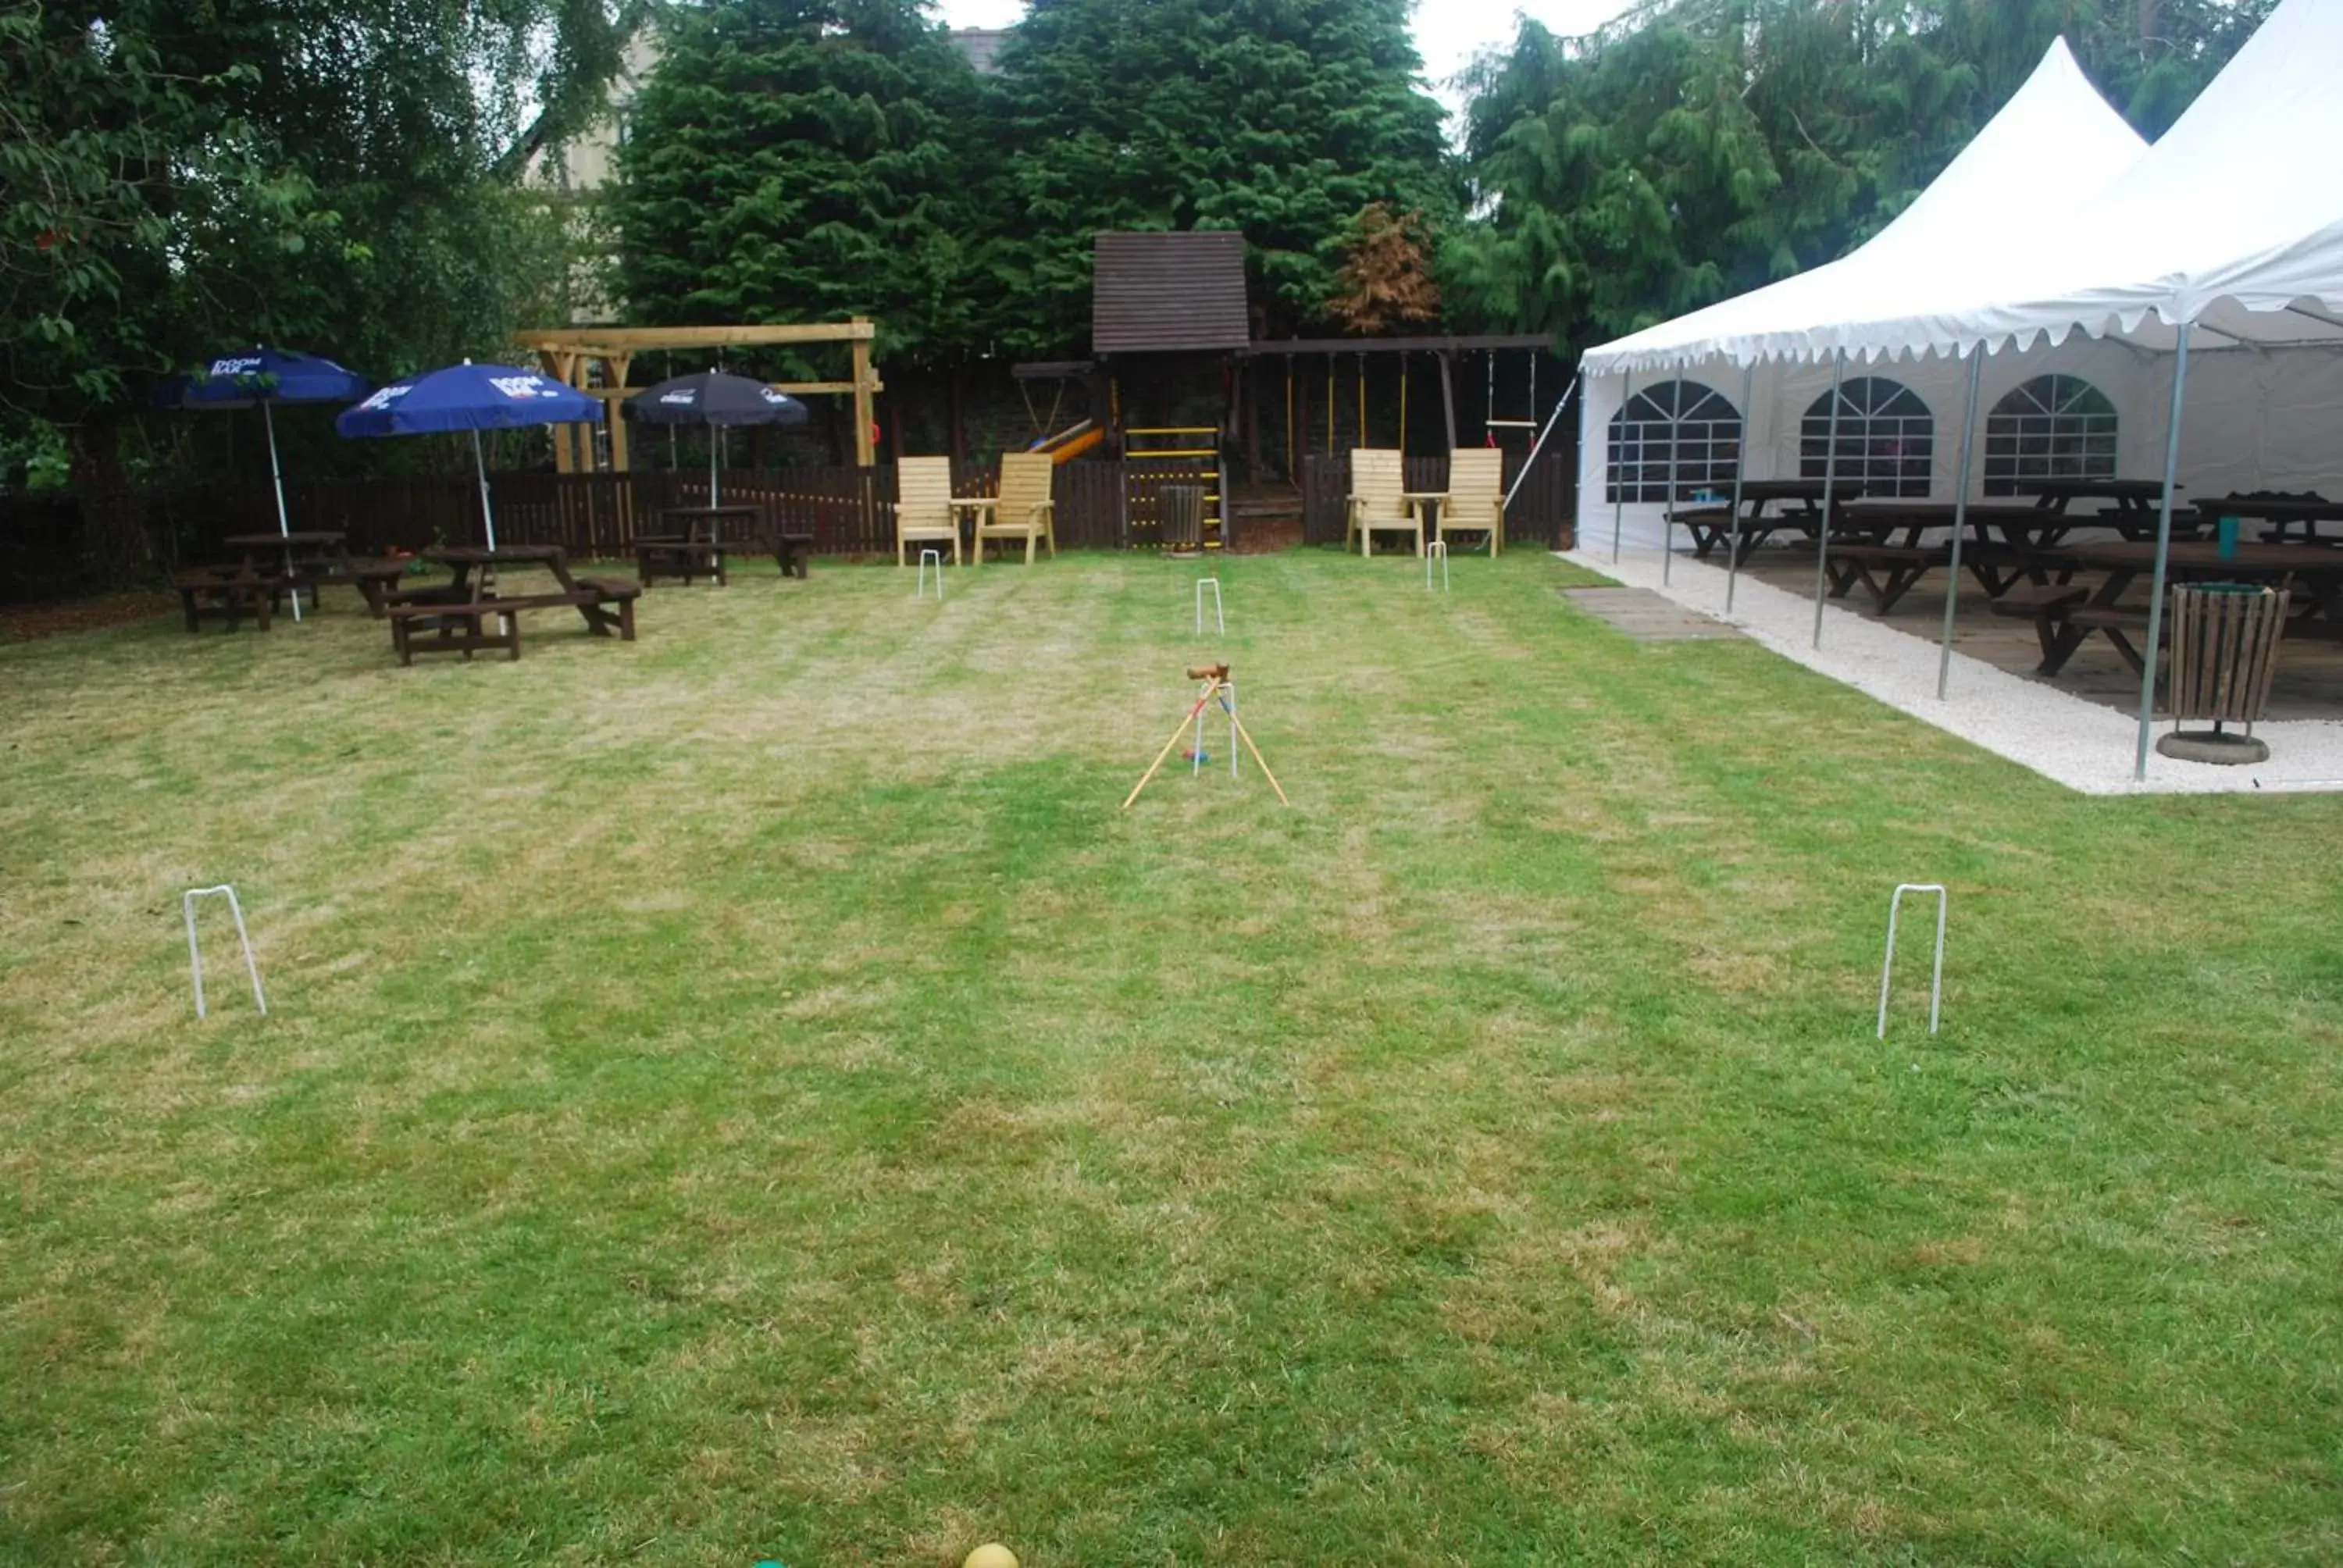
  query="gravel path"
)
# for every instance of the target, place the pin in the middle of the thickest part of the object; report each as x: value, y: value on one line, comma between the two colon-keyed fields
x: 2080, y: 744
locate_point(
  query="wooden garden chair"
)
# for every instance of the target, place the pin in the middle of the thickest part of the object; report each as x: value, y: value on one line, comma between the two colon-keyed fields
x: 1024, y: 510
x: 923, y: 505
x: 1475, y: 501
x: 1377, y: 480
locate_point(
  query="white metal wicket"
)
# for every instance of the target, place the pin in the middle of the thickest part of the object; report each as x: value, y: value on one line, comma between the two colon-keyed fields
x: 1435, y: 548
x: 1220, y: 619
x: 1887, y: 965
x: 920, y: 583
x: 195, y: 951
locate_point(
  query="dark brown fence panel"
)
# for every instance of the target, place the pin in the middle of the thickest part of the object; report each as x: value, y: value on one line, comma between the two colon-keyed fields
x: 1102, y: 504
x: 40, y: 548
x: 848, y: 510
x: 1325, y: 487
x: 1089, y: 495
x: 379, y: 515
x: 1545, y: 510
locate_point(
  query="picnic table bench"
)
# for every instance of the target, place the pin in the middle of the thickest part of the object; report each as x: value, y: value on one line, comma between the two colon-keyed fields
x: 2282, y: 512
x: 1865, y: 546
x: 2064, y: 623
x: 228, y: 594
x: 2044, y: 604
x: 311, y: 558
x: 1887, y: 571
x: 1799, y: 503
x: 458, y: 610
x: 2132, y: 509
x: 689, y: 545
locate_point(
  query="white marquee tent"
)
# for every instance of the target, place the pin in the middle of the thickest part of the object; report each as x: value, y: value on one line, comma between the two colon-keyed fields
x: 2227, y: 236
x: 2054, y: 143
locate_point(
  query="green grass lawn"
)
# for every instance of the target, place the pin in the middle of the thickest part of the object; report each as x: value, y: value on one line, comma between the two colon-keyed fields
x: 750, y: 1093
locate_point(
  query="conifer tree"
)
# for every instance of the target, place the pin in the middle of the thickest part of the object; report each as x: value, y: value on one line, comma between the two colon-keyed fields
x: 1280, y: 118
x: 1704, y: 147
x: 801, y: 160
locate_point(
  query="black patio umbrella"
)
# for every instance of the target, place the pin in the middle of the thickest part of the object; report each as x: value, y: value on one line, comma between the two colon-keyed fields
x: 713, y: 399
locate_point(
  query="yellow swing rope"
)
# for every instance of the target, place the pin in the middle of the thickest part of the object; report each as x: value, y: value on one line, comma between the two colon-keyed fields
x: 1402, y: 403
x: 1362, y: 399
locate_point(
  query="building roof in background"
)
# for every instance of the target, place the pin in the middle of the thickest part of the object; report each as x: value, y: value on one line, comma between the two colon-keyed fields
x: 1158, y: 293
x: 981, y: 48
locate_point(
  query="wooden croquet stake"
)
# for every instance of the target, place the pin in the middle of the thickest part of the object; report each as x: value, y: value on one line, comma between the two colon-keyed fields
x: 1246, y: 735
x: 1189, y: 717
x: 1216, y: 684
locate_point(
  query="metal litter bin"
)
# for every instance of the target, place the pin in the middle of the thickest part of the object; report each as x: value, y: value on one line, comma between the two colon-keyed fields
x: 2224, y: 644
x: 1181, y: 509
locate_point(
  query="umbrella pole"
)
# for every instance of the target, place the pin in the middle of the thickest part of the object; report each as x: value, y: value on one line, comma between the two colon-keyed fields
x: 2163, y: 554
x: 715, y: 435
x: 276, y: 478
x: 1960, y: 520
x: 488, y: 512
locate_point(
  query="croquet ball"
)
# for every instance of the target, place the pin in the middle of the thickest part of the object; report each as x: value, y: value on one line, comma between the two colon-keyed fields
x: 992, y: 1554
x: 1195, y: 756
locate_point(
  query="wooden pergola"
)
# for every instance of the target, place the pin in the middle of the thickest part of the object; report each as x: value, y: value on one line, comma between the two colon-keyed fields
x: 570, y: 353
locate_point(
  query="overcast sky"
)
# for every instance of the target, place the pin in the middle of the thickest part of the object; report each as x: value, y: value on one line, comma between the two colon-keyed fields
x: 1448, y: 33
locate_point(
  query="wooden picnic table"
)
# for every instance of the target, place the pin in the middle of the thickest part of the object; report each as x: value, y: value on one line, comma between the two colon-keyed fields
x: 1800, y: 510
x: 2126, y: 495
x: 2283, y: 512
x: 2134, y: 508
x: 310, y: 558
x: 691, y: 543
x: 1865, y: 546
x: 2314, y: 571
x: 459, y: 610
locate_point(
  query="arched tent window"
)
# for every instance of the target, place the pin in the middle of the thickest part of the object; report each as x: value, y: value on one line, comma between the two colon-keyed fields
x: 1887, y: 438
x: 2051, y: 427
x: 1698, y: 425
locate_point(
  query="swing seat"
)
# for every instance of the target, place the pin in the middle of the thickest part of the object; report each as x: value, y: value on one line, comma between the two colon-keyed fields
x: 1377, y: 483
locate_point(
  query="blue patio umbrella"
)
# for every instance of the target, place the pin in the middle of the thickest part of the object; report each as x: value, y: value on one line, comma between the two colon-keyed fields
x: 474, y: 397
x: 266, y: 376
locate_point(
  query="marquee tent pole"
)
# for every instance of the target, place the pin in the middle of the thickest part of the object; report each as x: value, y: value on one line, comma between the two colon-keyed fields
x: 1668, y: 494
x: 1830, y: 481
x: 2163, y: 552
x: 1740, y: 468
x: 1960, y: 519
x: 1618, y: 485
